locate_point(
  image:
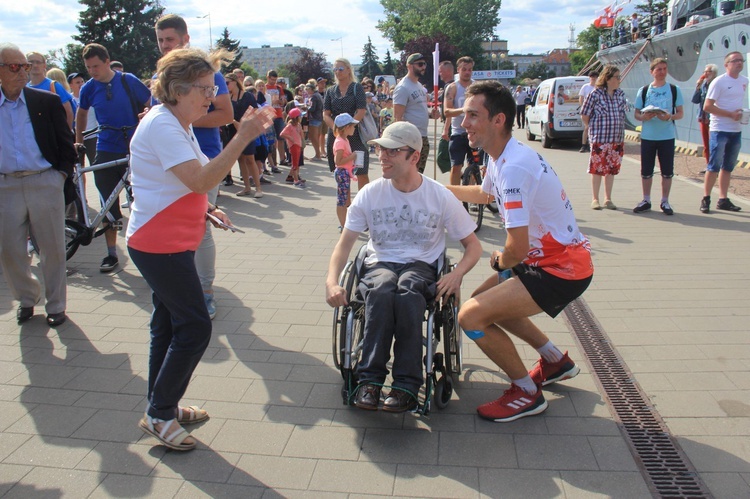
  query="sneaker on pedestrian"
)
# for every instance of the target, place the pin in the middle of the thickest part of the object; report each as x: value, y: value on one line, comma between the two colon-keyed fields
x: 275, y: 170
x: 109, y: 263
x: 264, y: 180
x: 299, y: 184
x: 706, y: 204
x: 545, y: 373
x: 289, y: 179
x: 642, y: 206
x: 585, y: 148
x: 514, y: 404
x: 228, y: 180
x: 727, y: 205
x: 666, y: 208
x: 210, y: 304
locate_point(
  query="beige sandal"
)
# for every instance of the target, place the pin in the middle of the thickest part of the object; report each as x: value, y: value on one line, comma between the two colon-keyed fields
x: 191, y: 415
x: 174, y: 440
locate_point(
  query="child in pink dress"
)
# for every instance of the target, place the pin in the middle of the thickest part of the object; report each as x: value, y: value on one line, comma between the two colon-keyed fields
x: 292, y: 133
x: 344, y: 126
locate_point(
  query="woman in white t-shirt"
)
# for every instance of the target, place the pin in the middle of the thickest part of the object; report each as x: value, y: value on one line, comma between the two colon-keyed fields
x: 170, y: 177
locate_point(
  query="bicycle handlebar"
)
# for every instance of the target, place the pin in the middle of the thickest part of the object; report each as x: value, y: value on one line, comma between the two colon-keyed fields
x: 93, y: 131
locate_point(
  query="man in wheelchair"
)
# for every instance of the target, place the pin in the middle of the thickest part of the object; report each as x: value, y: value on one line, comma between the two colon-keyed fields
x: 407, y: 215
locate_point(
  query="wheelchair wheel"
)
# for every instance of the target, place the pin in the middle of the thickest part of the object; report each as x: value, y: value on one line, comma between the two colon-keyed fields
x: 443, y: 391
x: 472, y: 176
x: 452, y: 338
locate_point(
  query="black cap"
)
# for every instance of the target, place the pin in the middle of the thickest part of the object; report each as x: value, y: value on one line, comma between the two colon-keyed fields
x: 72, y: 76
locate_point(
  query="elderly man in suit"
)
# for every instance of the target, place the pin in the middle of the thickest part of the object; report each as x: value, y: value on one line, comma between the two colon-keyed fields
x: 36, y: 156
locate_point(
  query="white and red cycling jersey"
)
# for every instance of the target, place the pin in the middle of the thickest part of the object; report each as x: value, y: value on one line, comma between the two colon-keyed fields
x: 529, y: 194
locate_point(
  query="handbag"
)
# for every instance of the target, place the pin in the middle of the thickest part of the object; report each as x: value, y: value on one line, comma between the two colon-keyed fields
x: 443, y: 156
x: 368, y: 130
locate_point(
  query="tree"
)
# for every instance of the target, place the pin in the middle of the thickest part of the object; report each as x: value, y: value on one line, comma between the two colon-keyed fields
x: 249, y: 70
x: 538, y: 70
x: 370, y: 66
x: 69, y: 59
x: 588, y: 42
x: 125, y: 28
x: 464, y: 23
x: 388, y: 67
x: 233, y: 46
x: 648, y: 11
x: 309, y: 64
x: 425, y: 45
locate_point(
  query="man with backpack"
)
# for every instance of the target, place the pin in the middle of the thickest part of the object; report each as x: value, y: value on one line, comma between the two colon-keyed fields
x: 657, y: 105
x: 117, y: 98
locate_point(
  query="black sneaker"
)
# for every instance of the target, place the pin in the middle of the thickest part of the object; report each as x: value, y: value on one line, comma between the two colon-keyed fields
x: 706, y: 204
x: 642, y: 206
x: 264, y: 180
x: 666, y: 208
x: 727, y: 205
x: 109, y: 264
x: 289, y: 179
x: 585, y: 148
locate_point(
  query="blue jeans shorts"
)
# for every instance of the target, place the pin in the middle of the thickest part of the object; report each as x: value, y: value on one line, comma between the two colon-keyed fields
x: 724, y: 148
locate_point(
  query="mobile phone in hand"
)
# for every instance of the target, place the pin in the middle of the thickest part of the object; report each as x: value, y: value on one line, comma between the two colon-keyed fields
x: 221, y: 224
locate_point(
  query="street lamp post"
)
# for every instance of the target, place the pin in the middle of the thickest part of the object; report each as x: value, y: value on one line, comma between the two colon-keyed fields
x: 210, y: 37
x: 340, y: 39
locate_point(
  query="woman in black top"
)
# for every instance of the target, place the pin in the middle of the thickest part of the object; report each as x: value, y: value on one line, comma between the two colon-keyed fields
x: 346, y: 96
x: 241, y: 101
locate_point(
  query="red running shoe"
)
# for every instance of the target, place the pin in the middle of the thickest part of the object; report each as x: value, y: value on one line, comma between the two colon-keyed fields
x: 545, y: 373
x: 514, y: 404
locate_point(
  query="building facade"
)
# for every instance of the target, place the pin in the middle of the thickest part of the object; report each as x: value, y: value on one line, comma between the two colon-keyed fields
x: 266, y: 58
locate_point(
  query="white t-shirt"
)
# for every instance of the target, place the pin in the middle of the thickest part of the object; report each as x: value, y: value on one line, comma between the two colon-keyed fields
x: 729, y: 94
x: 407, y: 226
x: 586, y: 90
x: 166, y: 216
x: 530, y: 194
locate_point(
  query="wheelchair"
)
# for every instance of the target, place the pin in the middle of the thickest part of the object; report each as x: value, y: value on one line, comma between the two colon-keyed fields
x: 441, y: 326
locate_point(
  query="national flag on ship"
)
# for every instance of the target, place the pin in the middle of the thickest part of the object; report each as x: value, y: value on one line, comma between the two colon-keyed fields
x: 605, y: 18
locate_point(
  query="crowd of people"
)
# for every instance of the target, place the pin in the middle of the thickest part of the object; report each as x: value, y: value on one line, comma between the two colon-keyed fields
x: 186, y: 127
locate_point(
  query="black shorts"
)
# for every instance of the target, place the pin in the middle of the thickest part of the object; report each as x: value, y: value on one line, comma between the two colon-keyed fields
x: 261, y: 153
x: 459, y: 149
x: 107, y: 179
x: 550, y: 292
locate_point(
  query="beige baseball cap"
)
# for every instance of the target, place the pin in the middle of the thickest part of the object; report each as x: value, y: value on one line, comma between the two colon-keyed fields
x: 399, y: 134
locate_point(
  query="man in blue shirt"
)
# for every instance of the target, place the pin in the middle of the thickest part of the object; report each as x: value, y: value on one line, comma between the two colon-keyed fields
x: 39, y: 80
x: 117, y: 98
x: 657, y: 108
x: 171, y: 33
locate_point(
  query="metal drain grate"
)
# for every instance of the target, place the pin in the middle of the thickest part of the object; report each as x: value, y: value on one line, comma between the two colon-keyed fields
x: 666, y: 468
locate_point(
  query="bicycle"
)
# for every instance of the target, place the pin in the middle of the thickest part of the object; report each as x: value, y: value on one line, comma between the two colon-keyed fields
x: 473, y: 174
x: 83, y: 229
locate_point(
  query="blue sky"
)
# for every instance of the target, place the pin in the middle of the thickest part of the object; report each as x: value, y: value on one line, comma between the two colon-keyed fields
x: 529, y: 25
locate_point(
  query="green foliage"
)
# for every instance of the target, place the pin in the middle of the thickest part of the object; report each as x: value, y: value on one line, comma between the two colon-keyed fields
x: 579, y: 59
x: 126, y: 28
x: 646, y: 9
x: 538, y: 70
x: 310, y: 64
x: 233, y: 46
x: 389, y: 67
x: 249, y: 70
x: 588, y: 39
x: 370, y: 66
x: 69, y: 59
x: 465, y: 23
x: 425, y: 45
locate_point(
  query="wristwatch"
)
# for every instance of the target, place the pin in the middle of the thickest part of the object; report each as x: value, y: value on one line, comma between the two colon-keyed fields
x: 496, y: 263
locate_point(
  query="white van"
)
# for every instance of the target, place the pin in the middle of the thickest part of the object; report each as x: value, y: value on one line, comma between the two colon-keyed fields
x: 554, y: 112
x: 389, y: 78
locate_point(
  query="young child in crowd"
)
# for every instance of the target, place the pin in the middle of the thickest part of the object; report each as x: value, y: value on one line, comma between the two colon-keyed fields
x: 386, y: 114
x: 374, y: 110
x: 292, y: 133
x: 344, y: 126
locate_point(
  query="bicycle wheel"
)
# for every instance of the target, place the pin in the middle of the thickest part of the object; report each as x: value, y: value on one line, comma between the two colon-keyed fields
x: 74, y: 234
x: 472, y: 176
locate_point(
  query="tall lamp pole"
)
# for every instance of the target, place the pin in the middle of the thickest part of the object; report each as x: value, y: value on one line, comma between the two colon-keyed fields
x: 340, y: 39
x: 210, y: 37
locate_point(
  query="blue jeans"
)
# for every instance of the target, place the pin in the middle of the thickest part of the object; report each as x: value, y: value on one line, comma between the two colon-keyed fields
x: 396, y: 296
x: 180, y: 327
x: 724, y: 150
